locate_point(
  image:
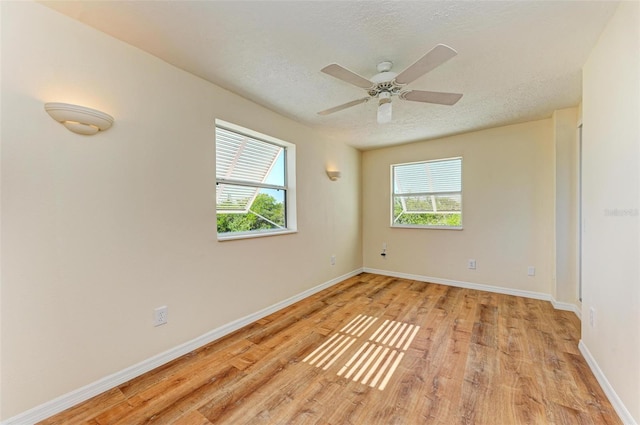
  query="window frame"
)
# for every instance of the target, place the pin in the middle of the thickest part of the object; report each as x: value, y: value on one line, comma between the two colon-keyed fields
x: 289, y: 186
x: 394, y: 195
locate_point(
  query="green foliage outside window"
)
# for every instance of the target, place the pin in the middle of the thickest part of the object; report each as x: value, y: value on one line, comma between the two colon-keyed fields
x: 424, y: 219
x: 265, y: 213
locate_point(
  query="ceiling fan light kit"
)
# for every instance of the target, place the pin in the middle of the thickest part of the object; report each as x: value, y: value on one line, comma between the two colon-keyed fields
x: 387, y: 84
x: 384, y: 108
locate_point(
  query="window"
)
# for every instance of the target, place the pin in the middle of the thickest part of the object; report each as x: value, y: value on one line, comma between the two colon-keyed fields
x: 427, y: 194
x: 255, y: 176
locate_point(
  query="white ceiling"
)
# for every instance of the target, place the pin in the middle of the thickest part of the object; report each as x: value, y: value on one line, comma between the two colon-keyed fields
x: 517, y: 60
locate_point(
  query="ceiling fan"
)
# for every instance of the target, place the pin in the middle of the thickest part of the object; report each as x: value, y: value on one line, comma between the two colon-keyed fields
x: 387, y: 83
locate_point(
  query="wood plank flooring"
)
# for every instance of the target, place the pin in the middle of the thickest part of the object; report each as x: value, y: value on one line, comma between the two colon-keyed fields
x: 445, y: 355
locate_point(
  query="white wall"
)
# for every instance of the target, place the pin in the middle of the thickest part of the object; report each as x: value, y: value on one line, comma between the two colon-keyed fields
x: 508, y: 210
x: 611, y: 181
x: 565, y: 125
x: 97, y: 231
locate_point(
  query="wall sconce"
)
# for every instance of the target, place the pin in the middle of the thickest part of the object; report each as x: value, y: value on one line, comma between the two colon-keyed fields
x: 334, y: 175
x: 79, y: 119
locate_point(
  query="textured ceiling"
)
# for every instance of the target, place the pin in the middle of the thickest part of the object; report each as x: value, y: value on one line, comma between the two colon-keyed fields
x: 517, y: 60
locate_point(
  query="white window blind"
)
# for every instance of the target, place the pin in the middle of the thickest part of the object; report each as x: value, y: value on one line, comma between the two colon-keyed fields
x: 427, y: 194
x: 255, y: 183
x: 243, y: 165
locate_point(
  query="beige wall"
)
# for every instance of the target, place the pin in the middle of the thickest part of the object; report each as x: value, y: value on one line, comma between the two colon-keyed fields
x: 611, y: 181
x: 565, y: 125
x: 508, y: 210
x: 98, y: 231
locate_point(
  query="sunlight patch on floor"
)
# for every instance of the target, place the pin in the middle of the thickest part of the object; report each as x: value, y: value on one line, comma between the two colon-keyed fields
x: 376, y: 360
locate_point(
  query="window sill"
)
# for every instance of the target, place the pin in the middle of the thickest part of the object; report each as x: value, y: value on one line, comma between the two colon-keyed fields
x: 252, y: 235
x: 408, y: 226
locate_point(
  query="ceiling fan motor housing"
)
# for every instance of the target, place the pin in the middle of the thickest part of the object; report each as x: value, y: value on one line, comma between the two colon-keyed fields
x: 384, y: 81
x: 390, y: 87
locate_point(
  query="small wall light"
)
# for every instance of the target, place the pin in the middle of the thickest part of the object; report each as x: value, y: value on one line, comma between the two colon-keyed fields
x: 334, y: 175
x: 79, y: 119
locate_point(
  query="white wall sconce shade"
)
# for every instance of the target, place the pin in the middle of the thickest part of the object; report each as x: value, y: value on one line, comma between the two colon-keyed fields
x: 79, y: 119
x: 334, y: 175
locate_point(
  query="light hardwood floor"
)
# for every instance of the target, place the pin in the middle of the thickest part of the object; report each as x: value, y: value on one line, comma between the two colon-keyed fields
x: 374, y: 350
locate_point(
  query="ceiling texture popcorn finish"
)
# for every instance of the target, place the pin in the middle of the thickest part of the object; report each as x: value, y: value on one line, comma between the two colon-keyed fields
x: 517, y: 60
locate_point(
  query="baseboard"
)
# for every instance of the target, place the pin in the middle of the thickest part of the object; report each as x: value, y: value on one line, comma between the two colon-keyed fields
x: 68, y: 400
x: 567, y: 306
x: 618, y: 405
x: 481, y: 287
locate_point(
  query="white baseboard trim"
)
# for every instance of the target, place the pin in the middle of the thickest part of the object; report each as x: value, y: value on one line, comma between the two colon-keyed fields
x: 481, y: 287
x: 618, y: 405
x: 558, y: 305
x: 68, y: 400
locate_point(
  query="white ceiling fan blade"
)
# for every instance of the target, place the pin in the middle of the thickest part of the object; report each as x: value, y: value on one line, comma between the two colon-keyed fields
x: 431, y: 97
x: 434, y: 58
x: 343, y: 106
x: 342, y: 73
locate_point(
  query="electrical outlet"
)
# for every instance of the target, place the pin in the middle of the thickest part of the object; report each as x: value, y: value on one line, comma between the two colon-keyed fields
x: 160, y: 315
x: 531, y: 271
x: 592, y: 316
x: 333, y: 260
x: 471, y: 264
